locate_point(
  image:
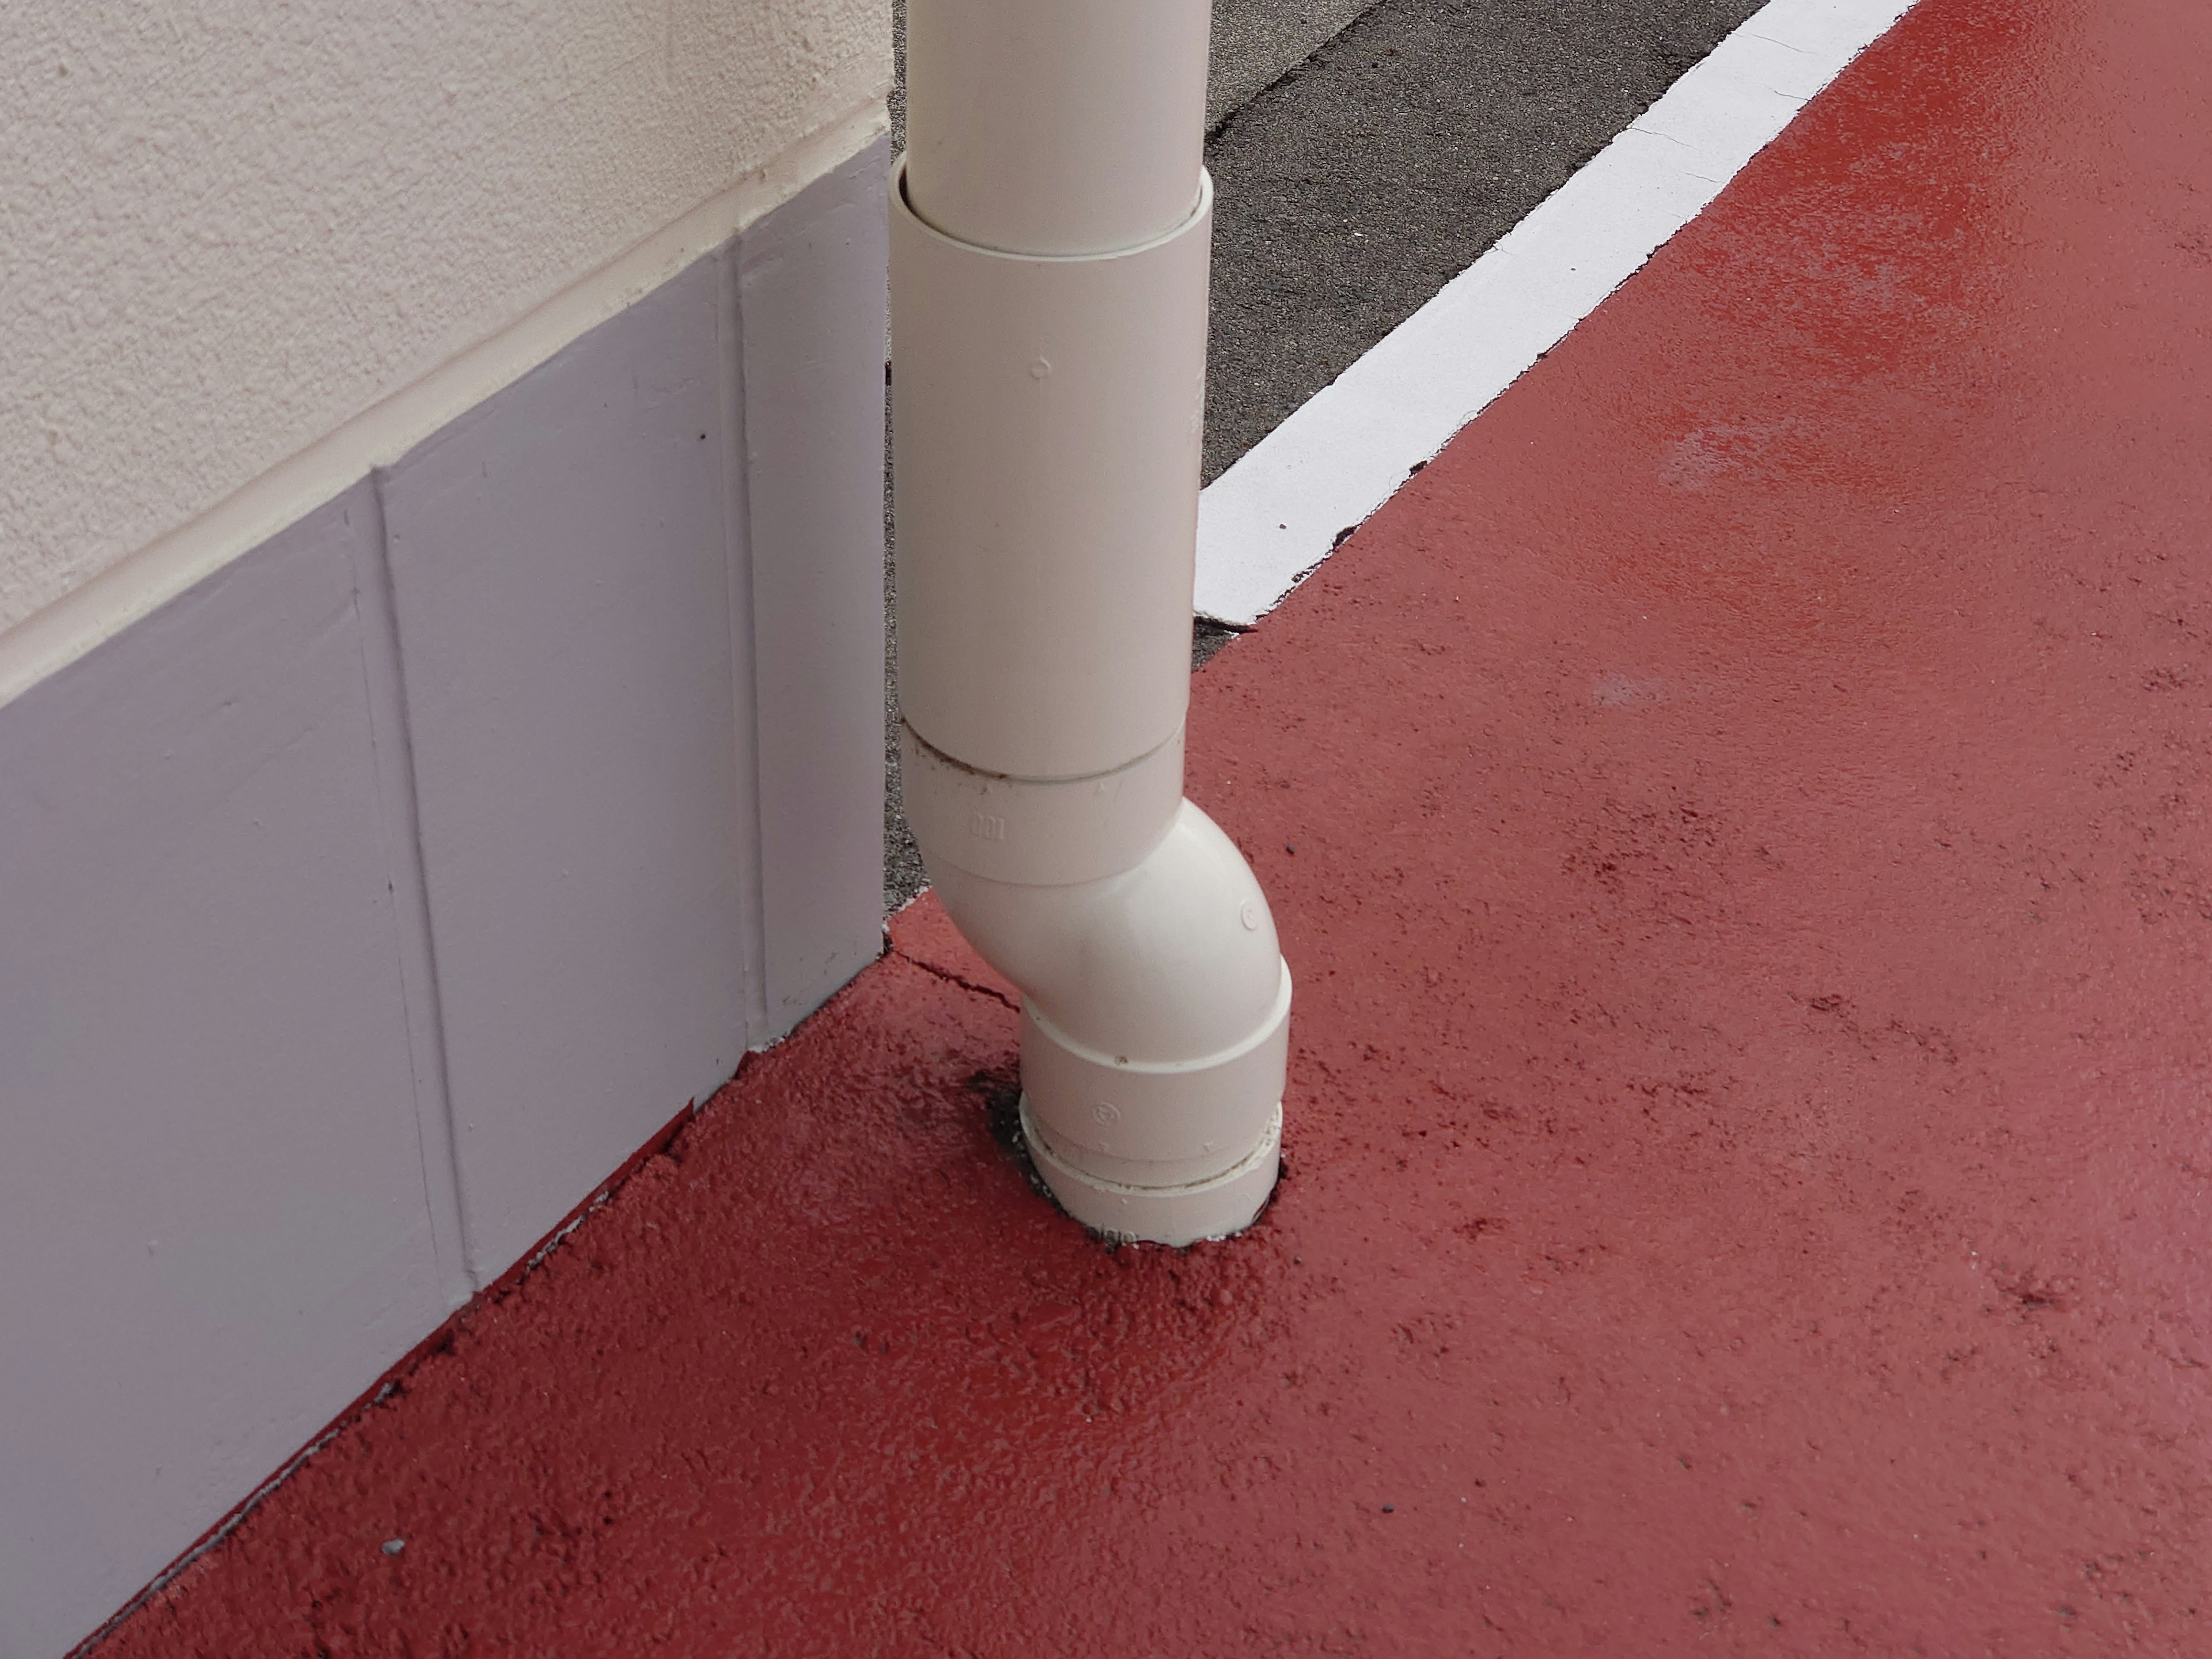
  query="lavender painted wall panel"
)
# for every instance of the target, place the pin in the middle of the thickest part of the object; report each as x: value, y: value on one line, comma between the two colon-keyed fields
x: 559, y: 563
x: 812, y: 300
x: 363, y: 909
x: 213, y: 1232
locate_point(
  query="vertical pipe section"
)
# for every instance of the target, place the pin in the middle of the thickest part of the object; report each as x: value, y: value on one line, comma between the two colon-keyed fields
x: 1051, y: 224
x: 1055, y: 126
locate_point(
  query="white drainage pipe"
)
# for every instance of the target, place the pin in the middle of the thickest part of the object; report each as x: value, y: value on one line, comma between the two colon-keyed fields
x: 1050, y: 229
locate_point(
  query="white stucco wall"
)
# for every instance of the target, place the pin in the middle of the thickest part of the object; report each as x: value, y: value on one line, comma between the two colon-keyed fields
x: 230, y: 227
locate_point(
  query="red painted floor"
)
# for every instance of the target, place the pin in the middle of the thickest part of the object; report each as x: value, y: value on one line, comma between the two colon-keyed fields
x: 1739, y: 822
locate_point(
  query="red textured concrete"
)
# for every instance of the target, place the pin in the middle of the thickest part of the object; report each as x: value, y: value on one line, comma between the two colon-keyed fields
x: 1749, y: 1153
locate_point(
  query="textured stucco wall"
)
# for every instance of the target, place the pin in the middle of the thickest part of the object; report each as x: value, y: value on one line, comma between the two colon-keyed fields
x: 228, y: 226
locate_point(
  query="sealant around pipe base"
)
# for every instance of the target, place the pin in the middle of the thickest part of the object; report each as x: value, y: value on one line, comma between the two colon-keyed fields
x: 1215, y: 1208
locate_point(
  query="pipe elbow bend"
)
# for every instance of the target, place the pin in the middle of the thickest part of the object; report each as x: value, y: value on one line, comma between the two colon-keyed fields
x: 1155, y: 1027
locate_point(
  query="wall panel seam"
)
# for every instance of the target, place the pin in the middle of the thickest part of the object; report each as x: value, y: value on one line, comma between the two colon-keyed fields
x: 745, y: 655
x: 391, y: 727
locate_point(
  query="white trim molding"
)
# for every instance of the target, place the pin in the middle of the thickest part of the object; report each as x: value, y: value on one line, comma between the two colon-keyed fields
x: 53, y: 637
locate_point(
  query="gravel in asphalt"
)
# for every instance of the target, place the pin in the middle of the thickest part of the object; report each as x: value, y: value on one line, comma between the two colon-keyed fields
x: 1373, y: 173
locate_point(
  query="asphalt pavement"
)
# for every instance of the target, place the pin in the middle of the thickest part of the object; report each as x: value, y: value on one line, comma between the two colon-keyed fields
x: 1361, y: 157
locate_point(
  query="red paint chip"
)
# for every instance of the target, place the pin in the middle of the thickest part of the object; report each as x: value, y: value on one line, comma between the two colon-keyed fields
x: 1753, y: 931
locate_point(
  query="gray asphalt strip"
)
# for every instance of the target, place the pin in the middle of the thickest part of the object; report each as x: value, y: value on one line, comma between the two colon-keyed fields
x: 1352, y: 189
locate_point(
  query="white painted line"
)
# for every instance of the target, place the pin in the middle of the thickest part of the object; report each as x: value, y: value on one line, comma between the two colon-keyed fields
x: 1270, y: 519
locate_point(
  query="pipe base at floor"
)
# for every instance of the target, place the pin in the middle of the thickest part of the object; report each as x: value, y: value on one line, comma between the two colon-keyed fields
x: 1214, y: 1208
